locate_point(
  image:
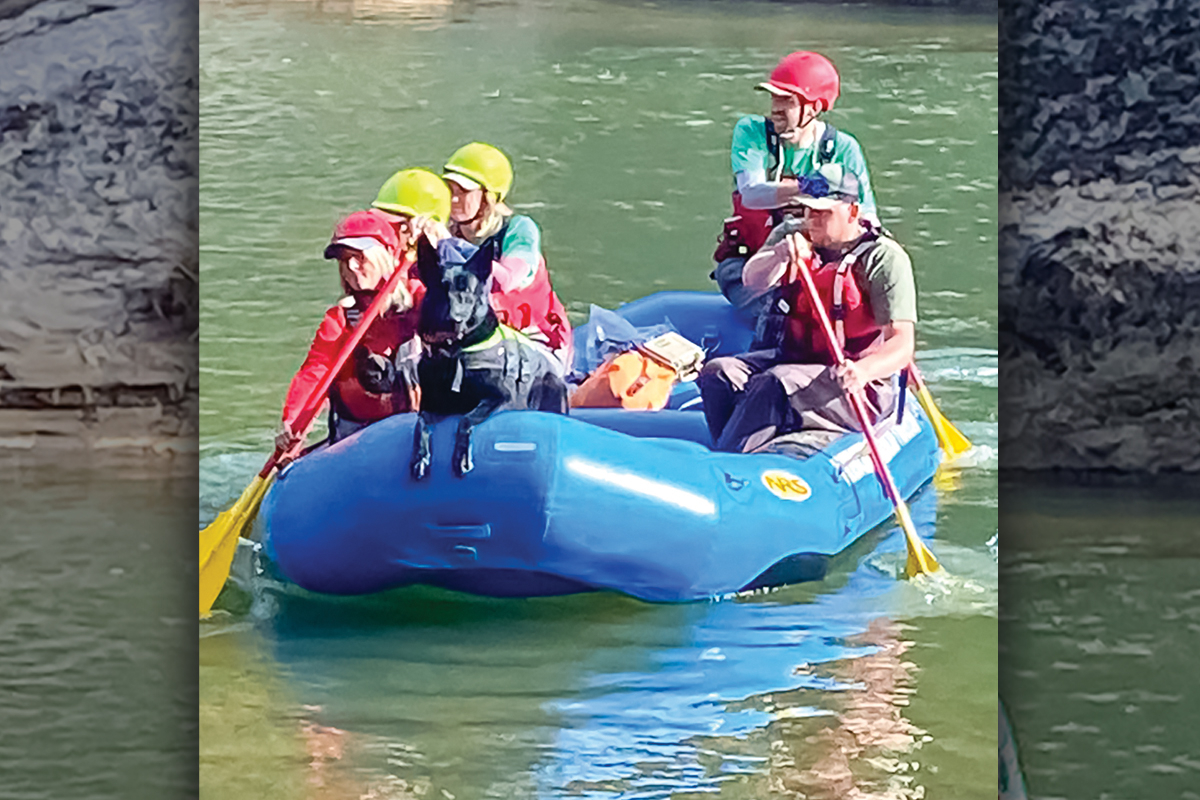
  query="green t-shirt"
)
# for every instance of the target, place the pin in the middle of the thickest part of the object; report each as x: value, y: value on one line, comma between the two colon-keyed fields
x: 885, y: 268
x: 749, y: 155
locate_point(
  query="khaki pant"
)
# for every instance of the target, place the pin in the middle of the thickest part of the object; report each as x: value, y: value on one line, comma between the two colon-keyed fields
x: 780, y: 398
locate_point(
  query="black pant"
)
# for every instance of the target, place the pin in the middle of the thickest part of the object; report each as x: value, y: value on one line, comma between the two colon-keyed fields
x: 779, y: 398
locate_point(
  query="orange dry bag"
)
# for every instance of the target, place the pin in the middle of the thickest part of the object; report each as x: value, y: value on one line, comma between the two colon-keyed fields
x: 643, y: 378
x: 630, y: 380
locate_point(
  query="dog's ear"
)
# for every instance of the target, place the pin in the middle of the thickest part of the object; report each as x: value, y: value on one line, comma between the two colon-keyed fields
x: 480, y: 262
x: 429, y: 268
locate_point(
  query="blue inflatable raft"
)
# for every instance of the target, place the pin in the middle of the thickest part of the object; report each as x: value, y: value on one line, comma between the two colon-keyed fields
x: 630, y: 501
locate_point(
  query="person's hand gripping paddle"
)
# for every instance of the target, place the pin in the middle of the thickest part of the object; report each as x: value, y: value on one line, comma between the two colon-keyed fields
x: 920, y: 560
x: 218, y: 541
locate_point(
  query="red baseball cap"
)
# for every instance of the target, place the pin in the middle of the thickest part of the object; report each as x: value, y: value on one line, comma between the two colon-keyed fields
x: 363, y: 230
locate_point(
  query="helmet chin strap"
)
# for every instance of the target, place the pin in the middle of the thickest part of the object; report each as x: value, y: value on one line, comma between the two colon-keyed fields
x: 479, y: 222
x: 806, y: 133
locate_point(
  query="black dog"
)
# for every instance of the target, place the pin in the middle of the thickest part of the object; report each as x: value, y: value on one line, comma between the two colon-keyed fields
x: 471, y: 365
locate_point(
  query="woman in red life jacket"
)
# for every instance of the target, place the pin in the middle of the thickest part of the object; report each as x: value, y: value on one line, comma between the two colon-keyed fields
x: 864, y: 279
x: 380, y: 378
x: 480, y: 177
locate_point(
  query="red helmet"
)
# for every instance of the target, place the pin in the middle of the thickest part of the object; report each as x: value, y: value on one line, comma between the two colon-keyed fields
x: 808, y: 75
x: 361, y: 230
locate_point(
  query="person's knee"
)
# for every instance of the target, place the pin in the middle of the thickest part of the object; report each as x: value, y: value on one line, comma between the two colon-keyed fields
x: 765, y: 382
x: 716, y: 368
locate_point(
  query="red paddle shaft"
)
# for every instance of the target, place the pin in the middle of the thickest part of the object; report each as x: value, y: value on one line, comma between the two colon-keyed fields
x: 855, y: 398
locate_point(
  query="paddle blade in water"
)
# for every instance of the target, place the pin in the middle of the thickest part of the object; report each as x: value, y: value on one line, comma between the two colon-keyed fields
x: 920, y: 560
x: 218, y: 542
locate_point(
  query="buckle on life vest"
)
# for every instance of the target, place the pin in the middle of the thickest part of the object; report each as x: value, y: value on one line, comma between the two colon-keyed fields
x: 837, y: 312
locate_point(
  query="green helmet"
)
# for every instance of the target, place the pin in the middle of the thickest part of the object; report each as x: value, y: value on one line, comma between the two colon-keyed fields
x: 414, y: 192
x: 481, y: 164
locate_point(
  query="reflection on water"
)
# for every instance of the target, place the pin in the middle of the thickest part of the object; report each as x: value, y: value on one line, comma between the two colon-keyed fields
x: 806, y: 689
x: 1101, y: 634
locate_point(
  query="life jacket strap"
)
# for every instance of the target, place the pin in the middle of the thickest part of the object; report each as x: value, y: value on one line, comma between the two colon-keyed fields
x: 837, y: 312
x: 502, y: 333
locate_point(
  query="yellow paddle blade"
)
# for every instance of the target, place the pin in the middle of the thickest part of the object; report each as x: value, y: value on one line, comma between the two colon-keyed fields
x: 920, y: 559
x: 953, y: 443
x: 218, y: 542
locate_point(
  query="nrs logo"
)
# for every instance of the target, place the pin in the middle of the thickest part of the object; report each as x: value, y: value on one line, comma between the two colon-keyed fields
x: 786, y: 485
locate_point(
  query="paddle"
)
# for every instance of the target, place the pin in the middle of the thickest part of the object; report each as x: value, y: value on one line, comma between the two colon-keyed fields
x: 218, y: 541
x: 953, y: 443
x: 920, y: 560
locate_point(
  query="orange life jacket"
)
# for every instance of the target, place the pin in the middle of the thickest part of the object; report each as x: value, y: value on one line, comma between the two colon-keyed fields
x: 642, y: 378
x: 847, y: 303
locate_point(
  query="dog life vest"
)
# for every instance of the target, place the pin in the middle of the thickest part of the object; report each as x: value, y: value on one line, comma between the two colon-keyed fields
x: 502, y: 333
x: 747, y: 230
x: 534, y: 310
x: 847, y: 303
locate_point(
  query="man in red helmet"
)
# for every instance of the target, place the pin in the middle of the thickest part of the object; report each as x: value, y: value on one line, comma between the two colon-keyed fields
x: 865, y: 281
x: 770, y: 155
x: 380, y: 379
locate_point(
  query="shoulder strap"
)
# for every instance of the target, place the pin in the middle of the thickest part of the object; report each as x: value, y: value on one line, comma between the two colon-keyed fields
x: 774, y: 150
x: 825, y: 145
x: 838, y: 312
x: 350, y: 311
x: 499, y: 236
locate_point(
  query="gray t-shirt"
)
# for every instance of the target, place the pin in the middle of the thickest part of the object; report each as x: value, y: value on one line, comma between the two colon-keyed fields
x: 885, y: 268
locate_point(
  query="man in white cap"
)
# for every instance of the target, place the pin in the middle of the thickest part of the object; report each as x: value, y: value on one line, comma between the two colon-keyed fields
x: 865, y: 281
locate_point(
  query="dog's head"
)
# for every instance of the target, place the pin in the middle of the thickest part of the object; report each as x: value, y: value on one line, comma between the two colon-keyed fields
x: 458, y: 288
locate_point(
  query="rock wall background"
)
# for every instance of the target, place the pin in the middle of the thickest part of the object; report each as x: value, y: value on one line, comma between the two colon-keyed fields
x: 98, y: 224
x: 1100, y: 234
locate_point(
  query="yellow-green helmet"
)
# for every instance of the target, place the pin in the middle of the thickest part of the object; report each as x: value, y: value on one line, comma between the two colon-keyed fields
x: 414, y: 192
x: 482, y: 164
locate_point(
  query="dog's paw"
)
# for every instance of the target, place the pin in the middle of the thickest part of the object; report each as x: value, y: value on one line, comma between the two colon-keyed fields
x: 463, y: 463
x: 419, y: 467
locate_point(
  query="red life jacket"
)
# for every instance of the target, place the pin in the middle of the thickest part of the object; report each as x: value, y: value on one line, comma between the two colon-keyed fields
x: 352, y: 400
x: 847, y: 303
x: 535, y: 310
x: 748, y: 227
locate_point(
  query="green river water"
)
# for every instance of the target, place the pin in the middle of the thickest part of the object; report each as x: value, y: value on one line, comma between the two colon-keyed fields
x: 618, y: 118
x: 97, y: 642
x: 1100, y: 632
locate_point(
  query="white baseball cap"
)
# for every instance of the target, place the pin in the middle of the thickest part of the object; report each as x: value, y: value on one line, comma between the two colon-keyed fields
x: 462, y: 180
